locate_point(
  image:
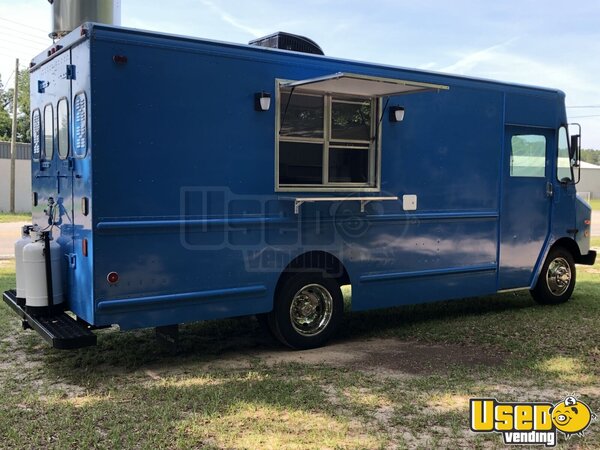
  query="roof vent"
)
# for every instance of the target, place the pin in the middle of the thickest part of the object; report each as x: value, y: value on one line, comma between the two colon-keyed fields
x: 69, y: 14
x: 288, y: 41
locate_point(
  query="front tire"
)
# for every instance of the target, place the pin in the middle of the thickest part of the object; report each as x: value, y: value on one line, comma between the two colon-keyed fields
x: 557, y: 278
x: 307, y: 311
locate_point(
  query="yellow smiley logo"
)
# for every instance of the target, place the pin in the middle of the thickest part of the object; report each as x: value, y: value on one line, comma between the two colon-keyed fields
x: 572, y: 416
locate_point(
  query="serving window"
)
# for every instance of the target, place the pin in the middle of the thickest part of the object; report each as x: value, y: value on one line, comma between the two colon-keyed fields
x: 328, y: 130
x: 326, y: 141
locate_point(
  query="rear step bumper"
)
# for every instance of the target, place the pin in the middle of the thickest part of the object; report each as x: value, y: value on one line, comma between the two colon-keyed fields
x: 59, y: 330
x: 589, y: 259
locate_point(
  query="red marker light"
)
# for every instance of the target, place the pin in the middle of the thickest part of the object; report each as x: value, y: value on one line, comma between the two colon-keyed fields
x: 112, y: 277
x: 84, y: 248
x: 120, y: 59
x: 588, y: 222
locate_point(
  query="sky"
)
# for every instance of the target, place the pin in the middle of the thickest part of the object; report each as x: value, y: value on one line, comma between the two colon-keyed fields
x: 546, y: 43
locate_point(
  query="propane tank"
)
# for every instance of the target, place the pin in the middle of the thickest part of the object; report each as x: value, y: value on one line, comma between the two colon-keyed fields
x: 35, y: 269
x: 19, y: 245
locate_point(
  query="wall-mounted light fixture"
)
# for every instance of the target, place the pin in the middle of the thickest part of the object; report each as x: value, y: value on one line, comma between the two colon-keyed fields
x: 262, y: 101
x: 396, y: 113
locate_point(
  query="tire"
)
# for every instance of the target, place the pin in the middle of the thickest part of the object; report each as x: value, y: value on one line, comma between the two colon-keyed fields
x: 557, y: 278
x: 308, y: 310
x: 263, y: 321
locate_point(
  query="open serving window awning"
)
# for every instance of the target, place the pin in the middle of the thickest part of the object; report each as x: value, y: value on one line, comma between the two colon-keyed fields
x: 361, y: 85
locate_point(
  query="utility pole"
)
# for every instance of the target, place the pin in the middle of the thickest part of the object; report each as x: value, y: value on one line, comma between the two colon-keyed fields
x: 13, y: 141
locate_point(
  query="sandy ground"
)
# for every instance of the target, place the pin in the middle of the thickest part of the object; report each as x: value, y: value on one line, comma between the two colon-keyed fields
x: 379, y: 356
x: 9, y: 233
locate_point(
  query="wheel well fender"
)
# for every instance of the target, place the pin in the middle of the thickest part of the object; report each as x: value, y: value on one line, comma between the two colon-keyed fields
x: 316, y: 260
x: 568, y: 244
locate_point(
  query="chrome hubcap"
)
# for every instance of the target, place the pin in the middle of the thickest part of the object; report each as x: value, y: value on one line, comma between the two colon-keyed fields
x: 311, y: 309
x: 558, y: 277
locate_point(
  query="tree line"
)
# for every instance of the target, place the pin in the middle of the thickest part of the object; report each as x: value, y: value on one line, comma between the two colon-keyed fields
x: 591, y: 156
x: 23, y: 109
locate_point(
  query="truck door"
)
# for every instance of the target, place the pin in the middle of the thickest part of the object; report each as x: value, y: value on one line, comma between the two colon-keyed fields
x: 52, y: 177
x: 525, y: 204
x: 563, y: 202
x: 80, y: 266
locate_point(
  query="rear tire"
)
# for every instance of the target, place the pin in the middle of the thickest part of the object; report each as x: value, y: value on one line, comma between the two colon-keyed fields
x: 263, y: 321
x: 557, y: 278
x: 308, y: 310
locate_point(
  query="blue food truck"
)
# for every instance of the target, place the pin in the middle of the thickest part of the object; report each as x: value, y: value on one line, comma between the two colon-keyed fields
x: 182, y: 179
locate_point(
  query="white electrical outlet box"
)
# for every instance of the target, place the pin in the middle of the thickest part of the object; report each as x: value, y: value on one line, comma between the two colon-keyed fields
x: 409, y: 202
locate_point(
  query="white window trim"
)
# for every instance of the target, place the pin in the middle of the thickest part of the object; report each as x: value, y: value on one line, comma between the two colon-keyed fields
x: 374, y: 184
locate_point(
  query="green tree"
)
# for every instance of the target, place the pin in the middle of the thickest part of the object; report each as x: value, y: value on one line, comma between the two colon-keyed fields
x: 23, y: 114
x: 5, y: 122
x: 591, y: 156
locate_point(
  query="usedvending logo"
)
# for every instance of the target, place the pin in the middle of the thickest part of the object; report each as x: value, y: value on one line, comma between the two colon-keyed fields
x: 531, y: 423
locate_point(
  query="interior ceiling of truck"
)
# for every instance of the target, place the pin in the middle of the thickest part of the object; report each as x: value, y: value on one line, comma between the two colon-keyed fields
x: 361, y: 85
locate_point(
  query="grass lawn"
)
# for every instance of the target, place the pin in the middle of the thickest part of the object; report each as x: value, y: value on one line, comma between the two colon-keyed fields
x: 8, y: 217
x: 595, y: 204
x: 399, y: 378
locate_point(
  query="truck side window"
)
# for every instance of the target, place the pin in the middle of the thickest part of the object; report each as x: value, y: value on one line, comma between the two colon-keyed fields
x: 62, y: 113
x: 564, y: 172
x: 326, y: 141
x: 528, y: 156
x: 36, y: 134
x: 48, y: 151
x: 80, y: 125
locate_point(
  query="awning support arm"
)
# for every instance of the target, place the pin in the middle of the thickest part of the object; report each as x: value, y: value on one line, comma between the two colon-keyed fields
x: 364, y: 201
x: 286, y: 108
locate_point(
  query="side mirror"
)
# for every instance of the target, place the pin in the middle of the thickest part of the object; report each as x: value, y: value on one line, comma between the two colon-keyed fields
x: 574, y: 149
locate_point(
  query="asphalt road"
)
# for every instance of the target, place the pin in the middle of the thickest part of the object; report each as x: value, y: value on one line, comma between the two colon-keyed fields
x: 10, y: 232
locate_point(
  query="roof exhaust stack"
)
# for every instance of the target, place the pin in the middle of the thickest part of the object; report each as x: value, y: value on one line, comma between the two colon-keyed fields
x: 69, y: 14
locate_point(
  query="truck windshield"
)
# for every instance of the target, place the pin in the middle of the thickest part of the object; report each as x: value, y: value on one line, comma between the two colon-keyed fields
x: 564, y: 171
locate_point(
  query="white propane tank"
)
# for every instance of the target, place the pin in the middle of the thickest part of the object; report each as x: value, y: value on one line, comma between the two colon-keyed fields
x: 34, y: 265
x: 19, y: 246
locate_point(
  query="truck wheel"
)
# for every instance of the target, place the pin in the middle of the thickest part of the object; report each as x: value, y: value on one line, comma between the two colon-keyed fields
x: 263, y: 322
x: 307, y: 311
x: 557, y: 278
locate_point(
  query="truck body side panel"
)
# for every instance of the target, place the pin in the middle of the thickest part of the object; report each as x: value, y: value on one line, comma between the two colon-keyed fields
x: 180, y: 172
